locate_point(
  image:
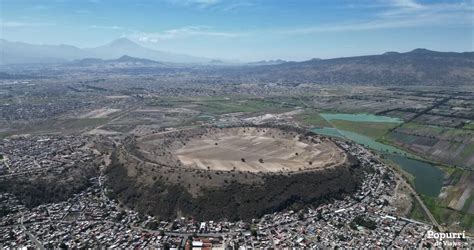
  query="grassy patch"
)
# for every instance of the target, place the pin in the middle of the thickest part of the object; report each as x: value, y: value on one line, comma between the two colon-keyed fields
x: 234, y: 106
x: 419, y: 126
x: 3, y: 135
x: 451, y: 132
x: 411, y: 134
x: 468, y: 203
x: 81, y: 123
x: 467, y: 151
x: 289, y: 101
x: 370, y: 129
x: 455, y: 220
x: 437, y: 131
x: 312, y: 119
x: 224, y: 107
x: 455, y: 174
x: 416, y: 212
x: 469, y: 126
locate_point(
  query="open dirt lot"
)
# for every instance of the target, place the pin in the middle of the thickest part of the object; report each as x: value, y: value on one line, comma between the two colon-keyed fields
x: 100, y: 113
x: 255, y: 150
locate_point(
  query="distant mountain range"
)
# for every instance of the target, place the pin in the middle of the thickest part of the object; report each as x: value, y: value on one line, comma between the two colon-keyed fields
x: 267, y: 62
x: 22, y: 53
x: 417, y: 67
x: 123, y: 61
x: 420, y: 66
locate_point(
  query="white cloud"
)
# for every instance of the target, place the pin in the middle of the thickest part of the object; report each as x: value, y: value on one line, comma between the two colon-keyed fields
x: 410, y: 4
x: 197, y: 3
x: 401, y: 14
x: 207, y: 2
x: 216, y: 5
x: 106, y: 27
x: 154, y: 37
x: 232, y: 7
x: 19, y: 24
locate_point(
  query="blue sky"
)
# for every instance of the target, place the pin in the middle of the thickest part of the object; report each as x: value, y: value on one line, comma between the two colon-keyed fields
x: 246, y: 30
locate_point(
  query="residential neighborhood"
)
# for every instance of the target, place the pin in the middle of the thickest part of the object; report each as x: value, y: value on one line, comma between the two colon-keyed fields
x: 90, y: 218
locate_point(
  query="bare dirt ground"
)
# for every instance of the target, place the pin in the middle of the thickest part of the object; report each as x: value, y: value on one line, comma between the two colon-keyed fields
x: 100, y: 113
x: 462, y: 192
x: 117, y: 96
x: 257, y: 150
x: 98, y: 131
x: 402, y: 200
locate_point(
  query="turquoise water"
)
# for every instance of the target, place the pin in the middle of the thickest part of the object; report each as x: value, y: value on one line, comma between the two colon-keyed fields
x: 205, y: 116
x: 361, y: 139
x: 328, y: 131
x: 360, y: 118
x: 428, y: 177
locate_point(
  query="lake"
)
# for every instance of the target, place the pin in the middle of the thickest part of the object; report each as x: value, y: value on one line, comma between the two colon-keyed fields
x: 360, y: 117
x: 428, y: 177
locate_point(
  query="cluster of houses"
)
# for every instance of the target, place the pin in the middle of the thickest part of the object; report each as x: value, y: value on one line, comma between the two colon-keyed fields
x: 28, y: 155
x: 90, y: 219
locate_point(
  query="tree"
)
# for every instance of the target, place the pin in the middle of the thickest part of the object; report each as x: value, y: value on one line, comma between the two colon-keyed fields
x: 120, y: 216
x: 153, y: 225
x: 301, y: 216
x: 365, y: 222
x: 63, y: 245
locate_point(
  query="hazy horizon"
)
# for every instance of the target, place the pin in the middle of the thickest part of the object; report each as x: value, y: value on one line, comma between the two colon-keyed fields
x: 250, y: 30
x: 232, y: 60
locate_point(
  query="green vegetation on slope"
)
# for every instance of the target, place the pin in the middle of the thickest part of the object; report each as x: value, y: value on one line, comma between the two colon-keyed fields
x: 469, y: 126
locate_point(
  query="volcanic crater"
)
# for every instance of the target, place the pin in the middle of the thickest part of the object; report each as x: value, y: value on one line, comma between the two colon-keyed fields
x: 232, y: 173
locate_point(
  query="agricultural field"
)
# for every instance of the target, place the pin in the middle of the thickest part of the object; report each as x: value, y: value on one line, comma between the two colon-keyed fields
x: 240, y: 105
x: 432, y: 125
x: 312, y: 119
x: 458, y: 194
x: 371, y: 129
x: 446, y: 145
x: 453, y: 219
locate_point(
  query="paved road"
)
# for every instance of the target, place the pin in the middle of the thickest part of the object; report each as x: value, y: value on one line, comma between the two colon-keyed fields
x: 422, y: 204
x: 30, y: 235
x: 417, y: 197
